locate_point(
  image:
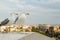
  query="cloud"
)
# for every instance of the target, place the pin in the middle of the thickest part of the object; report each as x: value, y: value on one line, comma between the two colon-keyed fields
x: 14, y: 1
x: 45, y: 1
x: 4, y: 8
x: 36, y: 9
x: 53, y: 1
x: 28, y: 7
x: 44, y: 10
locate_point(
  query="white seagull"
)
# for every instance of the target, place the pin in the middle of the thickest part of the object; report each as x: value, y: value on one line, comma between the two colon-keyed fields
x: 20, y: 20
x: 15, y: 19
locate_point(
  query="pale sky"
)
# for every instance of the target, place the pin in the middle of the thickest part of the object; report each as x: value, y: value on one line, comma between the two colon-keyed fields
x: 41, y: 11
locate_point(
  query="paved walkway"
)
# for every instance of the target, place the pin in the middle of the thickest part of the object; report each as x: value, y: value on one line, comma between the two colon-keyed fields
x: 23, y: 36
x: 36, y: 36
x: 13, y: 35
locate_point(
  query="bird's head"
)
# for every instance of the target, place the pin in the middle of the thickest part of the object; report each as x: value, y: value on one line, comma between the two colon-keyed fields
x: 14, y: 14
x: 27, y: 14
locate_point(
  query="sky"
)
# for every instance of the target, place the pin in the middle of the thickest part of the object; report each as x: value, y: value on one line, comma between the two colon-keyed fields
x: 41, y: 11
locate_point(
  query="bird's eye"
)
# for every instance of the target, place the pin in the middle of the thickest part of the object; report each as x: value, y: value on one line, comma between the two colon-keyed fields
x: 16, y: 13
x: 27, y: 13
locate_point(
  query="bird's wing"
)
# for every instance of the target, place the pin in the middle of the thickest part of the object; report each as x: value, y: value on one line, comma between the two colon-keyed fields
x: 21, y: 20
x: 16, y: 20
x: 4, y: 22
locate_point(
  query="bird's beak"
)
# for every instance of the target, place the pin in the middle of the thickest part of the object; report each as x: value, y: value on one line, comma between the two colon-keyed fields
x: 27, y: 14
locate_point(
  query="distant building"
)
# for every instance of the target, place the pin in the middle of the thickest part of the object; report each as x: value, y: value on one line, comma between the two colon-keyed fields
x: 56, y: 28
x: 43, y: 27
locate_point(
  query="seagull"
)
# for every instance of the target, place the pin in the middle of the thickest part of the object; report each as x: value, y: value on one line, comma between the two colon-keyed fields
x: 21, y: 20
x: 8, y: 21
x: 15, y: 19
